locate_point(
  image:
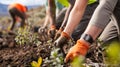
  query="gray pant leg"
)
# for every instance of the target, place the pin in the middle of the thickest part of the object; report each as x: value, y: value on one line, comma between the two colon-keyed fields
x: 110, y: 32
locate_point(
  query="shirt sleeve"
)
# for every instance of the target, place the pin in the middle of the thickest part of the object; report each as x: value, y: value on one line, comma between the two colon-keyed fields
x: 101, y: 16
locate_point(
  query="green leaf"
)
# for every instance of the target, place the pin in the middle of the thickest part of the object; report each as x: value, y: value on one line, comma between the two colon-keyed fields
x: 64, y: 2
x: 78, y: 62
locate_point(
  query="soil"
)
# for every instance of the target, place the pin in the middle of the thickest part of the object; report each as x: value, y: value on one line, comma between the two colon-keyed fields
x: 13, y: 55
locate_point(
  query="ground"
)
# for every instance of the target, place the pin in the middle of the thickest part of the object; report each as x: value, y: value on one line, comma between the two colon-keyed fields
x: 14, y: 55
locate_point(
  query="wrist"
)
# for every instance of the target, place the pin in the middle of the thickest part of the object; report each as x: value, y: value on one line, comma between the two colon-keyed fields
x: 60, y: 30
x: 82, y: 42
x: 88, y: 38
x: 64, y: 34
x: 44, y: 27
x: 52, y: 27
x: 83, y: 47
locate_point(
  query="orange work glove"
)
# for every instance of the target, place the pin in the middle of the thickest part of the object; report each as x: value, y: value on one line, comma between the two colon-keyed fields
x: 79, y: 49
x: 63, y: 39
x: 58, y: 33
x: 52, y: 31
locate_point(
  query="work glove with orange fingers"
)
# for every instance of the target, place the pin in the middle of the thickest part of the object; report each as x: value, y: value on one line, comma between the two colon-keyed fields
x: 52, y: 31
x: 63, y: 39
x: 79, y: 49
x: 42, y: 30
x: 58, y: 33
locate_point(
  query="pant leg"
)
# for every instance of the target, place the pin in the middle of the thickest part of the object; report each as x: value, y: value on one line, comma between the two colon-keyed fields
x: 84, y: 21
x: 117, y: 16
x: 12, y: 14
x: 21, y: 15
x: 110, y: 32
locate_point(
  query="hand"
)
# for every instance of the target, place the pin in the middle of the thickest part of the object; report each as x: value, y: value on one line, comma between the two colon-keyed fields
x: 79, y: 49
x: 51, y: 33
x: 42, y: 30
x: 58, y: 33
x: 60, y: 41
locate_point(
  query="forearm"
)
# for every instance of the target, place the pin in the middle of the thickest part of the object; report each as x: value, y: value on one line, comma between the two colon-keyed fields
x: 46, y: 21
x: 67, y: 13
x: 103, y: 12
x: 75, y: 16
x: 52, y: 11
x: 100, y: 18
x: 66, y: 17
x: 90, y: 32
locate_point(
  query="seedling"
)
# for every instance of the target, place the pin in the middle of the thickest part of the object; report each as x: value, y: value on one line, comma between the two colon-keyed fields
x: 26, y: 36
x: 113, y: 55
x: 56, y: 59
x: 38, y: 63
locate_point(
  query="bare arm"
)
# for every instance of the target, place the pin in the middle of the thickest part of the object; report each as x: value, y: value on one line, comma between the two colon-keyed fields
x: 75, y: 15
x: 100, y: 18
x: 51, y: 11
x: 67, y: 13
x: 46, y: 20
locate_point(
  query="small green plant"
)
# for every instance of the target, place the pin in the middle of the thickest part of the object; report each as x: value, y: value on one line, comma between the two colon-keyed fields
x: 26, y: 36
x: 38, y: 63
x: 56, y: 59
x: 78, y: 62
x: 113, y: 55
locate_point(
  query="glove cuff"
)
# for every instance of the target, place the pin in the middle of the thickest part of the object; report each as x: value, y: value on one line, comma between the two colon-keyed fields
x: 87, y: 38
x: 65, y: 35
x: 81, y: 43
x: 83, y: 47
x: 52, y: 27
x: 60, y: 30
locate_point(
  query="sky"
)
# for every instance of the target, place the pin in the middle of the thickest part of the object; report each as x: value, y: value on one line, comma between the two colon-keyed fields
x: 25, y: 2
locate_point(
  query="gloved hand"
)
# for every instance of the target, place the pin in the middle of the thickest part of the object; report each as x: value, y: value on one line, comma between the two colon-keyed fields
x: 79, y: 49
x: 52, y: 31
x: 58, y: 33
x: 42, y: 30
x: 61, y: 41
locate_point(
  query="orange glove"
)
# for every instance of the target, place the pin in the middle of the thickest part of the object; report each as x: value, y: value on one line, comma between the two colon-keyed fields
x: 62, y: 40
x: 58, y: 33
x: 52, y: 31
x: 79, y: 49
